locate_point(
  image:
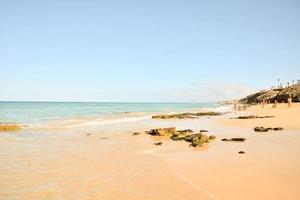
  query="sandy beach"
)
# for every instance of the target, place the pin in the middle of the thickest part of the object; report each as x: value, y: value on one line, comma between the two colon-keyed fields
x: 108, y: 162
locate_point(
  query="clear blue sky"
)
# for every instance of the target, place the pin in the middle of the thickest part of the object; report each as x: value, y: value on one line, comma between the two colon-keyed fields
x: 93, y: 50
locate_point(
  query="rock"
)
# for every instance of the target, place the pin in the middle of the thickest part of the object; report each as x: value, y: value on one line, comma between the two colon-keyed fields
x: 186, y: 115
x: 158, y: 143
x: 234, y: 139
x: 207, y: 113
x: 197, y: 139
x: 186, y: 131
x: 136, y: 133
x: 253, y: 117
x: 88, y: 134
x: 178, y: 137
x: 241, y: 152
x: 173, y: 116
x: 162, y: 131
x: 103, y: 138
x: 9, y: 127
x: 212, y: 137
x: 203, y: 131
x: 263, y: 129
x: 225, y: 140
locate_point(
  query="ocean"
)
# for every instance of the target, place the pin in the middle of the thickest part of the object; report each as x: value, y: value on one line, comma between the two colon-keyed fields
x: 88, y: 113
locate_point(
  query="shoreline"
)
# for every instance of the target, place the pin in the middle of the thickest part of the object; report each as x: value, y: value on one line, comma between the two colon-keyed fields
x: 108, y: 162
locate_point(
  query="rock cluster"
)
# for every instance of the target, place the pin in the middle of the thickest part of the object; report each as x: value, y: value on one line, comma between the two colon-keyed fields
x: 186, y: 115
x: 253, y: 117
x: 263, y: 129
x: 9, y: 127
x: 195, y: 139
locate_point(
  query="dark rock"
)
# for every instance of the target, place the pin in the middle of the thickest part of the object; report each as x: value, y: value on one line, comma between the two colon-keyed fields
x: 261, y: 129
x: 203, y: 131
x: 234, y: 139
x: 241, y: 152
x: 278, y: 129
x: 158, y: 143
x: 136, y: 133
x: 212, y: 137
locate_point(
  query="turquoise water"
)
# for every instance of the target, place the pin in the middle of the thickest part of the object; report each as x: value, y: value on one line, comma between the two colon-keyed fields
x: 31, y: 112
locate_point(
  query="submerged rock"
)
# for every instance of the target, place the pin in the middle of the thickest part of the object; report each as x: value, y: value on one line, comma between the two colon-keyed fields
x: 9, y: 127
x: 158, y: 143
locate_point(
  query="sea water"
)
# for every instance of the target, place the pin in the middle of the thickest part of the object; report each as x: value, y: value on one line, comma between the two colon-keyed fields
x: 40, y: 112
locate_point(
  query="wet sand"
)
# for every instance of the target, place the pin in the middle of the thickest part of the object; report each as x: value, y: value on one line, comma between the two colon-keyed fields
x: 108, y: 162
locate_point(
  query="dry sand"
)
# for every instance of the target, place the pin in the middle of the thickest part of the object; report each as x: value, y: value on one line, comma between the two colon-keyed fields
x: 109, y: 163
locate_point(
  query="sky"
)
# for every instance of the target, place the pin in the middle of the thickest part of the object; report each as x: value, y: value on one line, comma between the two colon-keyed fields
x: 146, y: 51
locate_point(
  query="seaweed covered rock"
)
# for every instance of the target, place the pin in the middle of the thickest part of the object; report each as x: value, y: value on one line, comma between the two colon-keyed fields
x: 186, y: 115
x: 162, y: 131
x: 263, y: 129
x: 180, y: 135
x: 9, y: 127
x: 253, y: 117
x: 197, y: 139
